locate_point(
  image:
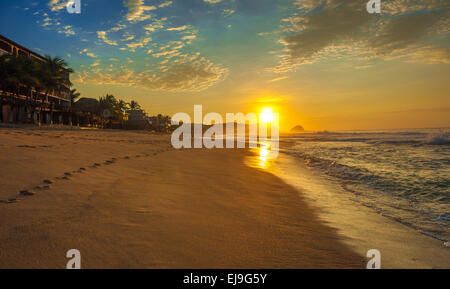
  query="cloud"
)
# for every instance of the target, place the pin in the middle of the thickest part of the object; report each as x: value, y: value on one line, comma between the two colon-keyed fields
x: 56, y: 5
x: 430, y: 54
x: 398, y: 7
x: 141, y: 43
x: 47, y: 22
x: 67, y: 30
x: 187, y: 75
x: 400, y: 32
x: 155, y: 25
x: 102, y: 35
x: 189, y: 37
x: 165, y: 4
x: 316, y: 31
x: 137, y: 9
x: 128, y: 38
x: 181, y: 28
x: 228, y: 12
x: 311, y: 34
x: 278, y: 79
x: 90, y: 54
x: 168, y: 54
x: 194, y: 76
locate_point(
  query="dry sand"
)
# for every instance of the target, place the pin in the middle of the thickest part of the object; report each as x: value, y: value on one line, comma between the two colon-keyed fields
x: 127, y: 200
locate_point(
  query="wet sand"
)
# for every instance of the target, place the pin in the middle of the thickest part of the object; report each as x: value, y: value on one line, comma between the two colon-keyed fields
x: 128, y: 200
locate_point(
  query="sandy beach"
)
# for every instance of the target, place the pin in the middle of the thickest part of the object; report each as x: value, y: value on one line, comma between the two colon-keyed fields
x: 127, y: 200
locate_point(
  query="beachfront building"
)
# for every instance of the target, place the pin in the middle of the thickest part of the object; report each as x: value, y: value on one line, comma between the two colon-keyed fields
x: 137, y: 119
x: 160, y: 122
x: 24, y: 105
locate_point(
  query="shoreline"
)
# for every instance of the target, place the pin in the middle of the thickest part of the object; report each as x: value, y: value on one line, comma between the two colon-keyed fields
x: 361, y: 227
x: 148, y: 206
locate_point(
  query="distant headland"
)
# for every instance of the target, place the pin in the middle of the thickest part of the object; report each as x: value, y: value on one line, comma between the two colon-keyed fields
x: 297, y: 128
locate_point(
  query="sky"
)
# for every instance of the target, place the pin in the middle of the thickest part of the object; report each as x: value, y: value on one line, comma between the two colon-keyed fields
x: 322, y: 64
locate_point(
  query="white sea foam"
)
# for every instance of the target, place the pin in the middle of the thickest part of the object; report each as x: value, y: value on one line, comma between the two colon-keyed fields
x: 402, y: 174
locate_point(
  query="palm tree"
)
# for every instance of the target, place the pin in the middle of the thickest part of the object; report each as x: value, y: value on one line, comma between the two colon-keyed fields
x: 134, y: 105
x: 54, y: 74
x: 10, y: 73
x: 74, y: 94
x: 122, y: 105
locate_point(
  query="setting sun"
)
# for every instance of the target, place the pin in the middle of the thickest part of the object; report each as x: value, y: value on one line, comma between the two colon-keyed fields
x: 266, y: 115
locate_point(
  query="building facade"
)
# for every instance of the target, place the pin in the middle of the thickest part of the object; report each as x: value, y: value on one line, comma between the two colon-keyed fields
x: 28, y: 105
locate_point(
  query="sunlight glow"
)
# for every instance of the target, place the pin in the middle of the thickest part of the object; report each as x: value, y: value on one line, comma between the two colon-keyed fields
x: 266, y: 115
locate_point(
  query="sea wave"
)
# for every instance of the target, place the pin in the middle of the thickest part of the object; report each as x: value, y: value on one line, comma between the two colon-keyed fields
x: 376, y: 137
x: 438, y: 139
x: 403, y: 175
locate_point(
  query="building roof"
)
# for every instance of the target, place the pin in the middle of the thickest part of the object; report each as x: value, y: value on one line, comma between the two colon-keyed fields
x: 20, y: 46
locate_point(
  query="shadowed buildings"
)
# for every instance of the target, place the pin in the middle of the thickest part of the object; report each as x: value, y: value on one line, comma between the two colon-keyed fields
x: 24, y: 104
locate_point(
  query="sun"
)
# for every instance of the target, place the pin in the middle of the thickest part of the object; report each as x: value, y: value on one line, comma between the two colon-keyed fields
x: 266, y: 115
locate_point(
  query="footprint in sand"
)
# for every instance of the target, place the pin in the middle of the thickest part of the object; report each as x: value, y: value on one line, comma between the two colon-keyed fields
x: 48, y: 182
x: 96, y: 165
x: 126, y: 158
x: 26, y: 146
x: 65, y: 177
x: 26, y: 193
x: 44, y: 187
x: 109, y: 162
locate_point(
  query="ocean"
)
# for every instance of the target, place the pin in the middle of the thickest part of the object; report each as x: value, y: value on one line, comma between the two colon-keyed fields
x: 403, y: 175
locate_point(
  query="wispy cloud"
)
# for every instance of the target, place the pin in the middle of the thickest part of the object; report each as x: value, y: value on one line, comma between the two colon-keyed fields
x: 102, y: 35
x: 192, y: 74
x: 67, y: 30
x: 87, y: 53
x: 180, y: 28
x: 141, y: 43
x: 309, y: 35
x: 137, y: 9
x: 155, y: 25
x: 56, y: 5
x: 278, y: 79
x: 165, y: 4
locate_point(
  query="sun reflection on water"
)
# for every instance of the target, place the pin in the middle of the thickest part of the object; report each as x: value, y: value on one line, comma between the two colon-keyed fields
x: 262, y: 157
x: 263, y: 151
